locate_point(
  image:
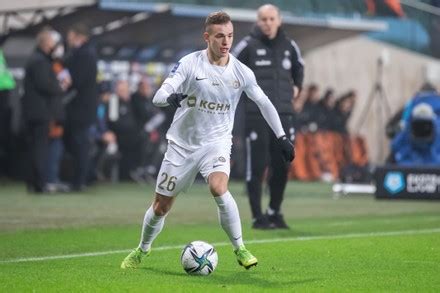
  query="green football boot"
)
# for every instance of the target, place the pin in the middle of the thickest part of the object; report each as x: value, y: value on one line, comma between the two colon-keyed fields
x: 134, y: 259
x: 245, y: 258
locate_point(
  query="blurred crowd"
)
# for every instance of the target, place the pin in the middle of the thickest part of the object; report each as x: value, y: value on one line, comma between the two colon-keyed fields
x: 75, y: 129
x: 325, y: 150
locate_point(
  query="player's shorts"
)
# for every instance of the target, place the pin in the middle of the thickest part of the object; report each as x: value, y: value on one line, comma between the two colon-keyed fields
x: 180, y: 166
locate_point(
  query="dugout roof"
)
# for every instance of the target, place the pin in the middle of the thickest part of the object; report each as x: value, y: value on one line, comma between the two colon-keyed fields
x: 160, y: 31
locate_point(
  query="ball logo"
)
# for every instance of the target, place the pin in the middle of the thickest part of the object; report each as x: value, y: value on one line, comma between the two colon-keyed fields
x: 394, y: 182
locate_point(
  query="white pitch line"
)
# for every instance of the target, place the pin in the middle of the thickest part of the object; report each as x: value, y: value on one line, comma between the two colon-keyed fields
x: 271, y: 240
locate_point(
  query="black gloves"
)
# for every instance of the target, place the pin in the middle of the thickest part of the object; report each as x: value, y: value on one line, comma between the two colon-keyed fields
x: 175, y: 99
x: 287, y: 148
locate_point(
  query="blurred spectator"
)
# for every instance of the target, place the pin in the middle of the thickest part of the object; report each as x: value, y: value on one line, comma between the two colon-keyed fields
x: 41, y: 90
x: 56, y: 130
x: 419, y: 141
x: 384, y: 8
x: 326, y: 110
x: 299, y: 119
x: 343, y: 108
x: 149, y: 119
x: 324, y: 148
x: 81, y: 110
x: 310, y: 160
x: 104, y: 154
x: 325, y: 137
x: 7, y: 84
x: 125, y: 125
x: 311, y: 108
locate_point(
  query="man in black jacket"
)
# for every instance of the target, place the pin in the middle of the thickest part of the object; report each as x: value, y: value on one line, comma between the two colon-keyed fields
x: 81, y: 110
x: 278, y: 66
x: 42, y: 93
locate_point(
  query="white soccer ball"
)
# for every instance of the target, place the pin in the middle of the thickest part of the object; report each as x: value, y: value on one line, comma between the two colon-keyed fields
x: 199, y: 258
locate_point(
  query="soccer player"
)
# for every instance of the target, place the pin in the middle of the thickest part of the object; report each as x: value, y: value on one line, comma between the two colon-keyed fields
x: 205, y: 87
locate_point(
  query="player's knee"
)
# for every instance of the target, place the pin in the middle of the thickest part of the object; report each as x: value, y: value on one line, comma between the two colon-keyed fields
x: 218, y: 190
x: 162, y: 205
x: 160, y: 209
x: 218, y: 185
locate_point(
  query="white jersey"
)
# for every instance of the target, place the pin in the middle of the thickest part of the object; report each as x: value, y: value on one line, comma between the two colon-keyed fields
x: 207, y: 115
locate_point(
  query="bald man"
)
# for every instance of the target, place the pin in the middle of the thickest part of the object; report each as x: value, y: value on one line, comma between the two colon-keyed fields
x: 277, y: 63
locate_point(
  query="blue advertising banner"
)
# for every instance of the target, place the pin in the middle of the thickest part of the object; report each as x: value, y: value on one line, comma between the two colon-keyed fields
x: 399, y: 182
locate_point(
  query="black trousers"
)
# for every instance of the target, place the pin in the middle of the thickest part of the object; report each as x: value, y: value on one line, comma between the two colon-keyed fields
x: 262, y: 152
x: 37, y: 134
x: 77, y: 143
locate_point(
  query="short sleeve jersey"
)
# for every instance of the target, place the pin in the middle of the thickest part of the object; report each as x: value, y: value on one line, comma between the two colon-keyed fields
x: 207, y: 115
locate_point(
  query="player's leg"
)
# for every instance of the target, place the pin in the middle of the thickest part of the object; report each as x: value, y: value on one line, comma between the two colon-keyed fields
x: 215, y: 168
x: 228, y: 213
x: 229, y: 217
x: 176, y: 174
x: 278, y: 176
x: 154, y: 220
x: 257, y: 139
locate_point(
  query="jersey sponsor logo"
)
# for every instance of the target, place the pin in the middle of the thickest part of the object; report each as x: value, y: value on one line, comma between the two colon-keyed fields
x: 200, y: 78
x: 261, y: 52
x: 209, y: 107
x: 263, y: 62
x: 191, y: 101
x: 214, y: 106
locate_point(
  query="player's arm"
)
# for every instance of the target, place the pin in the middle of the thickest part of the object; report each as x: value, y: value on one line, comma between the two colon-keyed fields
x: 297, y: 69
x: 166, y: 97
x: 167, y: 94
x: 270, y: 114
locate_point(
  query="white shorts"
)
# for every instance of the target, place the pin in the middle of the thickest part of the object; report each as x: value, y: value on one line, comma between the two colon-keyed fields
x: 180, y: 166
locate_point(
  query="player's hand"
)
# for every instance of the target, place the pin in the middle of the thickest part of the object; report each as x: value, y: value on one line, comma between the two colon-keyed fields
x: 287, y: 148
x: 175, y: 99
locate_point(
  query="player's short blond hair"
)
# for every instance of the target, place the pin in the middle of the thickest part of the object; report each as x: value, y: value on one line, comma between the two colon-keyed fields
x: 218, y: 17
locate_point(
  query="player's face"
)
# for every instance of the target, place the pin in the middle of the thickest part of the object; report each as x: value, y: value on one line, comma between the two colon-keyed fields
x: 269, y: 21
x: 219, y: 38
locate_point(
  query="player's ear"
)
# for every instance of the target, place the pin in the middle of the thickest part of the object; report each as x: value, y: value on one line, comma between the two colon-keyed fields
x: 206, y: 36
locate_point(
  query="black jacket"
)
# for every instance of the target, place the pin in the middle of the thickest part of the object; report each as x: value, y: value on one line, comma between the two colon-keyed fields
x: 277, y: 65
x: 42, y: 91
x: 82, y: 65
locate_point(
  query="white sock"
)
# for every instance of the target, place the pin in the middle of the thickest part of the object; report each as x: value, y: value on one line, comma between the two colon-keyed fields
x: 151, y: 228
x: 229, y: 218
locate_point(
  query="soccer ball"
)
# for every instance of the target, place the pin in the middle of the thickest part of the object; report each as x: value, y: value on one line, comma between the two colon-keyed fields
x: 199, y: 258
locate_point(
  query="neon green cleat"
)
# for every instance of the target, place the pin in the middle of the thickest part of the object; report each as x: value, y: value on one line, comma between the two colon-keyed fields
x: 245, y: 258
x: 134, y: 259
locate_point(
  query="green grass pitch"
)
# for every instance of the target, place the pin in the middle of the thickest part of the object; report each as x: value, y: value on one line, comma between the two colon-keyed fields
x: 76, y: 242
